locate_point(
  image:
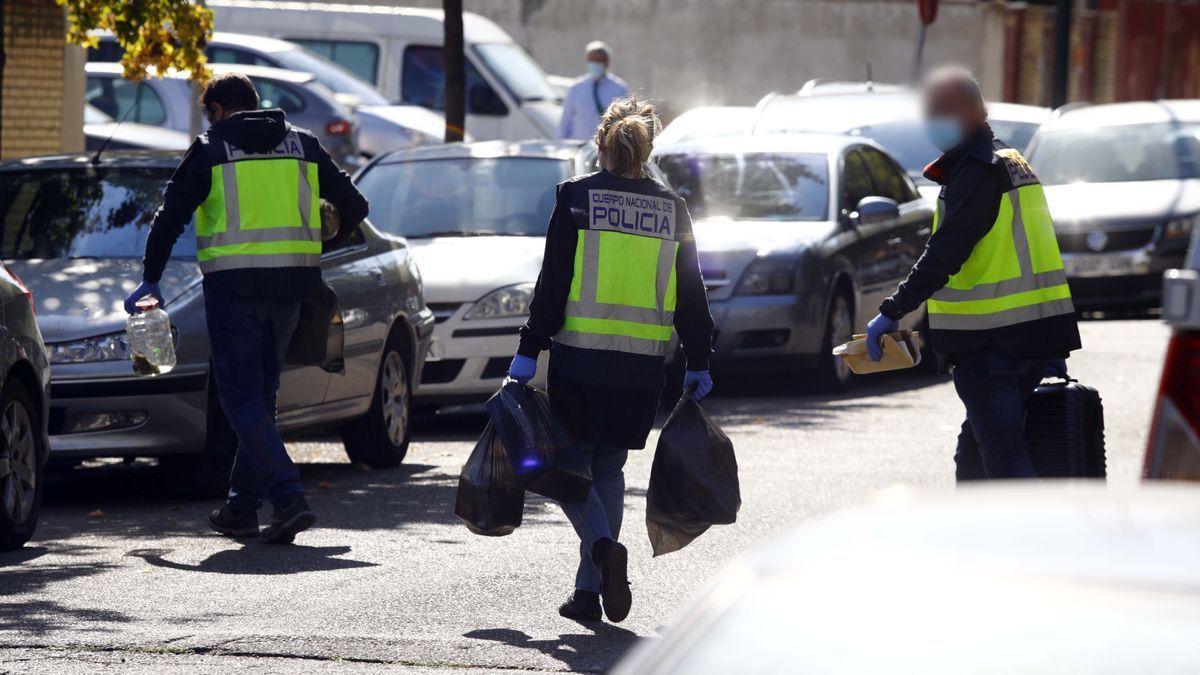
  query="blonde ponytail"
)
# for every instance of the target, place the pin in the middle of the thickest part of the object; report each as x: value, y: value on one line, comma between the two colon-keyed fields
x: 626, y: 134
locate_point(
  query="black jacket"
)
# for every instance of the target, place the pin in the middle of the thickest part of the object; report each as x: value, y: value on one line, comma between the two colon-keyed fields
x: 607, y: 396
x: 253, y: 131
x: 973, y: 180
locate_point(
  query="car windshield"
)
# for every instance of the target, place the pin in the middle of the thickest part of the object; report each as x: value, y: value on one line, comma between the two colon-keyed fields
x: 464, y: 197
x: 1118, y: 154
x: 521, y: 75
x: 331, y: 75
x: 1014, y: 134
x: 758, y: 186
x: 82, y: 213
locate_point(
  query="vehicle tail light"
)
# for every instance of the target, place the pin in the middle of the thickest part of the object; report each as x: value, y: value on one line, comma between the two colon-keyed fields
x: 338, y: 127
x: 1173, y: 452
x: 21, y: 285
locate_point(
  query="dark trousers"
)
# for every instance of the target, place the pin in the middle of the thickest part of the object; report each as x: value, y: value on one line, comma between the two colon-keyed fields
x: 248, y: 339
x: 994, y: 389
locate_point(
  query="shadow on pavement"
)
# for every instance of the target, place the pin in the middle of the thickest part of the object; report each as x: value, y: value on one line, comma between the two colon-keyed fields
x: 595, y: 651
x: 255, y: 558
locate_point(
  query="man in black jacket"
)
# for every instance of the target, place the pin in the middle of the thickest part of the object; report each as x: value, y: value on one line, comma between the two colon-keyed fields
x: 999, y: 306
x: 253, y: 183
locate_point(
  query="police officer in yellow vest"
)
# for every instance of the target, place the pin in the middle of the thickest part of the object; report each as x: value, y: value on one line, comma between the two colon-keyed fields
x: 992, y: 279
x: 620, y: 271
x: 253, y: 183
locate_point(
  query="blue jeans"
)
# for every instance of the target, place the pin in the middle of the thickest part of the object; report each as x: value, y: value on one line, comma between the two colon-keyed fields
x: 994, y: 389
x: 248, y: 340
x: 598, y: 516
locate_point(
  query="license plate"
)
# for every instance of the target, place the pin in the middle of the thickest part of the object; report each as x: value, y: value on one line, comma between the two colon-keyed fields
x: 1097, y: 265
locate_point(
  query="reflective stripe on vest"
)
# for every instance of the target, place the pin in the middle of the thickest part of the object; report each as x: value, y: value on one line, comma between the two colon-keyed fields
x: 622, y: 295
x: 1015, y: 273
x: 262, y: 211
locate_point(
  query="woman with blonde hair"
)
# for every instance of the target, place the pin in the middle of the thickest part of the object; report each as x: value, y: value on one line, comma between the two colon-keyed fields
x: 620, y: 272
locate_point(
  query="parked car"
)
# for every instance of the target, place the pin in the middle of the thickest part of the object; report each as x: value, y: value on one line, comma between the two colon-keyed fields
x: 801, y: 236
x: 1034, y: 578
x: 382, y: 127
x: 889, y: 117
x: 707, y: 122
x: 24, y: 412
x: 173, y: 102
x: 399, y: 51
x: 1173, y: 450
x: 76, y: 231
x: 475, y: 216
x: 1123, y: 185
x: 100, y: 130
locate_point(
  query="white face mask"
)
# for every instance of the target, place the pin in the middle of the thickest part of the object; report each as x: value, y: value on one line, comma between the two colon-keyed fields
x: 595, y: 69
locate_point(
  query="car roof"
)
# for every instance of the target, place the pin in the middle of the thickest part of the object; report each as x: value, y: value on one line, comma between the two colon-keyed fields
x: 1137, y: 112
x: 149, y: 159
x: 387, y: 19
x: 262, y: 72
x: 849, y: 111
x: 544, y: 149
x: 816, y: 143
x: 259, y: 43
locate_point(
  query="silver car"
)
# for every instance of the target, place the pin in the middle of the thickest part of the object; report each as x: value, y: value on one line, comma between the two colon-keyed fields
x: 801, y: 236
x: 174, y: 103
x: 76, y: 230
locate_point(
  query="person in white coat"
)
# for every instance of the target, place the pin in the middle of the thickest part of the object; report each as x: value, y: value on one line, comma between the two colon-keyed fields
x: 589, y: 96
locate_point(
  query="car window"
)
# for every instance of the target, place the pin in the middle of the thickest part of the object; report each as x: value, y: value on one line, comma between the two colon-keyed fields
x: 273, y: 94
x: 890, y: 180
x: 239, y: 56
x: 423, y: 83
x: 360, y: 58
x: 1117, y: 154
x: 751, y: 186
x: 856, y: 181
x: 95, y: 213
x: 511, y: 196
x: 114, y: 96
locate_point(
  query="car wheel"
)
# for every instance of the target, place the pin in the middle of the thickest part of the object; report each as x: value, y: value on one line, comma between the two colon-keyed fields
x: 204, y: 475
x: 380, y: 439
x: 21, y: 466
x: 833, y: 375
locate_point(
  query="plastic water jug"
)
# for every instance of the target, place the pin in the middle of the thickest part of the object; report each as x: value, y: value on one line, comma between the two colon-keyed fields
x: 151, y: 345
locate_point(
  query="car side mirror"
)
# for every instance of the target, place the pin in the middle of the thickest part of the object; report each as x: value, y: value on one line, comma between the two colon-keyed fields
x: 873, y: 210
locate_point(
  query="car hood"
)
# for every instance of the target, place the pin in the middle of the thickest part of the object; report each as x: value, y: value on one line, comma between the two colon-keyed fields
x: 463, y: 269
x: 545, y: 115
x: 763, y: 237
x: 1137, y: 201
x: 413, y: 117
x: 83, y: 298
x: 140, y: 135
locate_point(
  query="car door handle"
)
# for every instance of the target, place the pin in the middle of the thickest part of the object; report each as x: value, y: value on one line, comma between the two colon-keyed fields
x: 924, y: 231
x: 895, y: 242
x: 377, y: 275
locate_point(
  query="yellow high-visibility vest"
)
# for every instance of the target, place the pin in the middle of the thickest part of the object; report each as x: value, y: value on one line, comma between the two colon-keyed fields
x: 262, y: 210
x: 1015, y: 273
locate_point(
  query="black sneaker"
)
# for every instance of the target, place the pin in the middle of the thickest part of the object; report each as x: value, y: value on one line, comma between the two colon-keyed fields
x: 581, y: 606
x: 289, y: 521
x: 234, y: 523
x: 613, y: 560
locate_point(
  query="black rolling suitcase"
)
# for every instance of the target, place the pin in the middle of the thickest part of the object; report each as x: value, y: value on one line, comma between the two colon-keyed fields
x: 1064, y: 426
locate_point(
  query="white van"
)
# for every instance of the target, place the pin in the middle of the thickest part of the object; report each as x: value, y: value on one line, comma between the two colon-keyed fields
x: 399, y: 50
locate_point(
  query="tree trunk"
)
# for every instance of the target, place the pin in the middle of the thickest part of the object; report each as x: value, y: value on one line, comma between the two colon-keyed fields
x: 456, y: 72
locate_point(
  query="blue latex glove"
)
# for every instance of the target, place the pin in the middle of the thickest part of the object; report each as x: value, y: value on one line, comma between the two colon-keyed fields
x: 522, y: 369
x: 703, y: 381
x: 875, y: 331
x: 145, y: 288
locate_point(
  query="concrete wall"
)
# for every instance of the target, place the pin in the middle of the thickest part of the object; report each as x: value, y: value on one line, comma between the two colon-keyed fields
x: 695, y: 52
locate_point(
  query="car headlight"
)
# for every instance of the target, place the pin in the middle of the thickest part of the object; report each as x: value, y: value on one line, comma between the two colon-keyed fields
x: 103, y: 348
x: 503, y: 303
x: 1178, y: 228
x: 768, y: 276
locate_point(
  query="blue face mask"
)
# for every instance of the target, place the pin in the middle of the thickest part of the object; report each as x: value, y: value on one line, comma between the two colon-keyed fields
x: 944, y: 132
x: 595, y: 69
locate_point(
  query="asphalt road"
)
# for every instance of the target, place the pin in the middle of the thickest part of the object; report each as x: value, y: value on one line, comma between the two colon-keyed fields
x: 124, y: 576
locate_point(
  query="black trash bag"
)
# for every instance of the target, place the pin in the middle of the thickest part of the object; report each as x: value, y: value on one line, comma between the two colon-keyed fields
x: 320, y: 336
x: 544, y: 457
x: 490, y: 499
x: 693, y: 481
